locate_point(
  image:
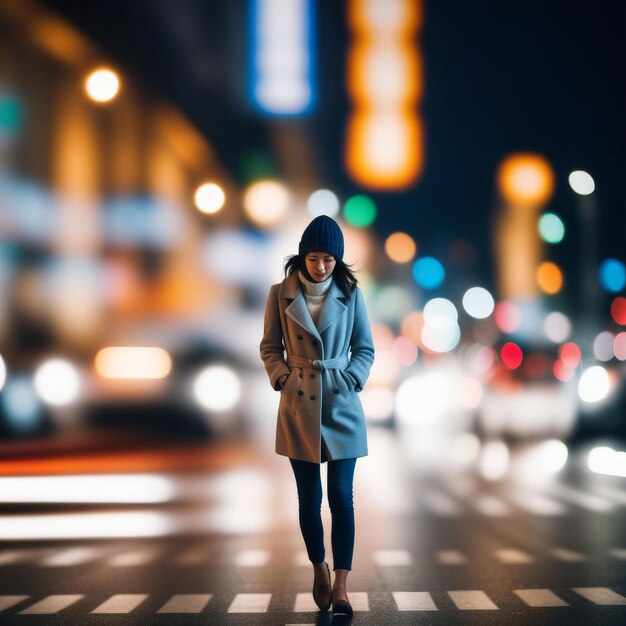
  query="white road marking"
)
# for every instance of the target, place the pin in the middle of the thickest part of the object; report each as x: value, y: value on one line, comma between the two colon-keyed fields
x: 7, y: 602
x: 587, y: 501
x: 133, y: 558
x: 539, y: 597
x: 186, y: 603
x: 387, y: 558
x: 601, y: 595
x: 252, y: 558
x: 472, y: 600
x: 491, y: 506
x: 414, y: 601
x: 439, y: 503
x: 53, y: 603
x: 121, y: 603
x: 513, y: 556
x: 537, y: 504
x: 451, y: 557
x: 618, y: 553
x: 565, y: 554
x: 250, y: 603
x: 72, y: 556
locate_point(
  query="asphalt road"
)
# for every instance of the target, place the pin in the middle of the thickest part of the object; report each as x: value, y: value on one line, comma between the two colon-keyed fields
x: 221, y: 545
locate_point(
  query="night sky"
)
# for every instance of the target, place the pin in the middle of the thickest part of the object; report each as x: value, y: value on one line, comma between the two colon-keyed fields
x: 500, y: 77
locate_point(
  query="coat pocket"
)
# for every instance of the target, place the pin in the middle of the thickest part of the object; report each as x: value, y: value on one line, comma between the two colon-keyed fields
x: 344, y: 384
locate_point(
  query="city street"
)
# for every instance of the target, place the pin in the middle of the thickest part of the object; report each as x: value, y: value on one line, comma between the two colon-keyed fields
x: 220, y: 544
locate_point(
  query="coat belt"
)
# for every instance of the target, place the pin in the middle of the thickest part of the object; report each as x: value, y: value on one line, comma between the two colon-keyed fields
x: 341, y: 362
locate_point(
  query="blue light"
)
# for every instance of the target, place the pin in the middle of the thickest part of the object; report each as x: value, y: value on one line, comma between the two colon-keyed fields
x: 428, y: 272
x: 281, y: 56
x: 612, y: 275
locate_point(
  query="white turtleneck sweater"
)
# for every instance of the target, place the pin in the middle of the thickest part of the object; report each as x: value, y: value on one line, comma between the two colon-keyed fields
x: 315, y: 294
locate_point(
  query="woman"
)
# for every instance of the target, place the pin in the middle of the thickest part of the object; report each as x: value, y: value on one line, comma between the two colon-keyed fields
x: 317, y: 314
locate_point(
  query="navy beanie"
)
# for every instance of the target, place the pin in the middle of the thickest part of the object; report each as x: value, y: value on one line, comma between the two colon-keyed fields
x: 322, y: 235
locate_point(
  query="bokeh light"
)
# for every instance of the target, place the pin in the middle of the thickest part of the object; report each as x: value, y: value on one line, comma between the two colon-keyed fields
x: 511, y: 355
x: 525, y: 179
x: 217, y: 388
x: 57, y: 382
x: 570, y: 354
x: 594, y: 384
x: 603, y: 346
x: 209, y: 198
x: 323, y: 202
x: 478, y: 302
x: 359, y: 211
x: 266, y: 202
x: 549, y: 277
x: 612, y: 275
x: 557, y: 326
x: 428, y: 272
x: 507, y: 316
x: 581, y: 182
x: 551, y: 228
x: 618, y: 310
x: 102, y: 84
x: 400, y: 247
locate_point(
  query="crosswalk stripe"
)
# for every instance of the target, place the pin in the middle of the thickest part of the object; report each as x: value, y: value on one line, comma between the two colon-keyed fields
x: 439, y: 503
x: 186, y: 603
x: 250, y: 603
x: 472, y: 600
x: 537, y: 504
x: 601, y: 595
x: 539, y: 597
x: 565, y: 554
x: 618, y: 553
x: 72, y: 556
x: 387, y: 558
x: 52, y: 604
x: 587, y: 501
x: 451, y: 557
x: 513, y: 556
x: 252, y: 558
x: 414, y: 601
x: 491, y: 506
x: 121, y: 603
x: 6, y: 602
x: 133, y: 558
x: 304, y: 603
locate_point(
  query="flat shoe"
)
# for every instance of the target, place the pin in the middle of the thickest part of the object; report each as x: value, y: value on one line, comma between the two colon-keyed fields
x: 342, y: 607
x: 322, y: 594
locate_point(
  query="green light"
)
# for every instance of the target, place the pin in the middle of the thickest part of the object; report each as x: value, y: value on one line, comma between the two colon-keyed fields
x: 551, y: 228
x: 10, y: 114
x: 359, y: 211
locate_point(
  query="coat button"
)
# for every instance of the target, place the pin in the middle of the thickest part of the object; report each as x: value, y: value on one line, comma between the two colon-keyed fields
x: 336, y: 390
x: 312, y: 397
x: 300, y: 392
x: 299, y: 336
x: 312, y: 375
x: 314, y: 342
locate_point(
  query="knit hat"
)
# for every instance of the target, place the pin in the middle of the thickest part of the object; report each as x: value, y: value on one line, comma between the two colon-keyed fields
x: 324, y: 235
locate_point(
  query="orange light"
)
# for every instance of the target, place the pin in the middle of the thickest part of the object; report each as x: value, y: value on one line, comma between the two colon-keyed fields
x: 526, y: 179
x: 549, y: 277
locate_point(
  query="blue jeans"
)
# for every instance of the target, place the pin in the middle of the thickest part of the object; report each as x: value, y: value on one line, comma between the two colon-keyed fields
x: 340, y: 477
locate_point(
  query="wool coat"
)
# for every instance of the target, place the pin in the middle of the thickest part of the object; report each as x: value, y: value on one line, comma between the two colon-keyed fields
x: 319, y: 402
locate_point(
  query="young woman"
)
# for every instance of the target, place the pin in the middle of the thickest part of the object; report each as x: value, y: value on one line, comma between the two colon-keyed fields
x: 317, y: 314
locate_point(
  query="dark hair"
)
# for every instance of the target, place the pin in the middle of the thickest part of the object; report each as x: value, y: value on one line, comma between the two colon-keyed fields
x: 342, y: 274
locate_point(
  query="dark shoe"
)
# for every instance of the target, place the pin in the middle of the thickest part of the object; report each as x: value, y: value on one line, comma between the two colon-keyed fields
x: 342, y: 607
x: 322, y: 592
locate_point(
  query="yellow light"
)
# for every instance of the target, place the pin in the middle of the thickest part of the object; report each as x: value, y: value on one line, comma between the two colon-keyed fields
x: 102, y: 85
x: 549, y: 277
x: 133, y: 362
x: 526, y: 179
x: 266, y: 202
x: 400, y: 247
x: 384, y: 149
x: 209, y: 198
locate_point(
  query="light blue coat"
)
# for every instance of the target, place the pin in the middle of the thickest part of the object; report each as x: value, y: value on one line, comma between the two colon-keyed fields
x: 320, y: 397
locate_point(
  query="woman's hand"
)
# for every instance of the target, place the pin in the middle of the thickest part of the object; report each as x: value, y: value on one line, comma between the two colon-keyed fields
x: 282, y: 379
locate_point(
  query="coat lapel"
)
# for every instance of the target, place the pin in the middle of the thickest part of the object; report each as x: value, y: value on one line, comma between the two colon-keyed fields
x: 298, y: 310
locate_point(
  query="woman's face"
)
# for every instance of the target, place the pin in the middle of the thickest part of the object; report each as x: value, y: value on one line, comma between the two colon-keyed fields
x: 320, y: 265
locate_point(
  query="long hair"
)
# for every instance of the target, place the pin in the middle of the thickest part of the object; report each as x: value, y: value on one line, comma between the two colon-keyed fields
x: 342, y: 274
